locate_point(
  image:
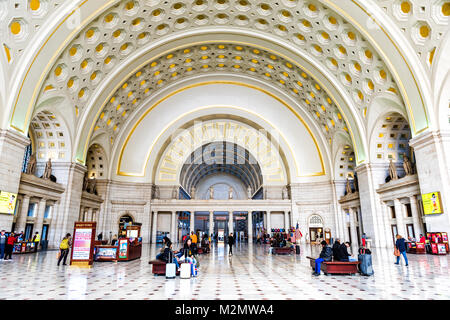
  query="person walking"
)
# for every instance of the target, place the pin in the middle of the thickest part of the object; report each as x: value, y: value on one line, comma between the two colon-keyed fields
x: 3, y: 240
x: 363, y: 239
x: 230, y: 244
x: 64, y: 249
x: 10, y: 245
x: 401, y: 247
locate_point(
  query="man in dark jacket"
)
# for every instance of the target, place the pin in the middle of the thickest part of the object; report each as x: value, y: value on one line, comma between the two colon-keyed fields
x: 336, y: 245
x: 325, y: 255
x: 401, y: 246
x: 230, y: 243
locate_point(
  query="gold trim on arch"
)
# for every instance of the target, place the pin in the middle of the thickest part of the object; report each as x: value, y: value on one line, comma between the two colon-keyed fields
x: 392, y: 69
x: 50, y: 61
x: 310, y: 74
x: 142, y: 173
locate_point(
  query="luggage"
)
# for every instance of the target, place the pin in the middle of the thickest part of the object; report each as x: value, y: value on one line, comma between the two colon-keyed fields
x: 365, y: 264
x: 170, y: 270
x: 185, y: 270
x: 297, y: 249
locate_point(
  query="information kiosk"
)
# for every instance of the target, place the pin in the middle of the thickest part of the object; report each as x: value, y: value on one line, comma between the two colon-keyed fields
x: 83, y: 244
x: 130, y: 248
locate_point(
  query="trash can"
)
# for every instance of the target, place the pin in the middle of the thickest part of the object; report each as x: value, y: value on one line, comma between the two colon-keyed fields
x: 44, y: 245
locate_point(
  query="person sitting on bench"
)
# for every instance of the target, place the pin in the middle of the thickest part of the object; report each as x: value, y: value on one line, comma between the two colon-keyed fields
x: 336, y: 245
x: 344, y: 256
x: 325, y: 255
x: 166, y: 242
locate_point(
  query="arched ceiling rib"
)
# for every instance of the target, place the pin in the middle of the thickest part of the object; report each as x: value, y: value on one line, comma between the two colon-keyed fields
x: 219, y: 58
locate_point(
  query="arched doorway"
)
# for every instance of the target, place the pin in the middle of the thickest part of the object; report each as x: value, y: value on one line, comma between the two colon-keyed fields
x: 315, y: 228
x: 124, y: 221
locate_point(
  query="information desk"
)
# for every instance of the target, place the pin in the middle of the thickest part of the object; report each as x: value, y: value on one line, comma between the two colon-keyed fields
x: 415, y: 247
x: 129, y: 250
x: 25, y: 247
x: 438, y: 248
x: 105, y: 253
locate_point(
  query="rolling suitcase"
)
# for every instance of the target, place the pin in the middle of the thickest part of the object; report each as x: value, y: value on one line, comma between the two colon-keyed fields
x: 170, y: 270
x: 365, y: 263
x: 185, y: 271
x: 297, y: 249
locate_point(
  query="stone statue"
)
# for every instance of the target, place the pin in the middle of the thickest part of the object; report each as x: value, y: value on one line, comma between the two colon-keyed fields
x: 407, y: 166
x: 285, y: 193
x: 392, y: 170
x: 85, y: 182
x: 249, y: 192
x: 348, y: 188
x: 355, y: 182
x: 192, y: 192
x: 48, y: 169
x: 230, y: 193
x: 175, y: 193
x: 31, y: 165
x: 211, y: 192
x: 93, y: 187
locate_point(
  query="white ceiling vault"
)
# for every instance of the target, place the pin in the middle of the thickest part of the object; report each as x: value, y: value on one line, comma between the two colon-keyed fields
x: 99, y: 63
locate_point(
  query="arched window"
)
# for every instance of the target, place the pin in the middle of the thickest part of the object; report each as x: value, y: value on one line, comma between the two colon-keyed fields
x: 315, y: 220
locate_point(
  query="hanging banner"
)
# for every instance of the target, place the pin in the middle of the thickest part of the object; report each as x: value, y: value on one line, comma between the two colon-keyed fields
x: 7, y: 202
x: 432, y: 203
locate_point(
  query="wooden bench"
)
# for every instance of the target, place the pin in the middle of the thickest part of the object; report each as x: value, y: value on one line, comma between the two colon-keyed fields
x: 282, y: 250
x: 159, y: 267
x: 339, y: 267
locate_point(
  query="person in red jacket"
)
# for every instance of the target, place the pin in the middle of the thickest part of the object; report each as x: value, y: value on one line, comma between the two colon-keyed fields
x: 10, y: 245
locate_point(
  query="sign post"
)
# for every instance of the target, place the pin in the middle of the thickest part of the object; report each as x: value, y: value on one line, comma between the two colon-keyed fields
x: 83, y: 244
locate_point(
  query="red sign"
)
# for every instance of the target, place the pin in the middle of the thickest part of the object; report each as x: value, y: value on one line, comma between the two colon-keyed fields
x: 83, y: 243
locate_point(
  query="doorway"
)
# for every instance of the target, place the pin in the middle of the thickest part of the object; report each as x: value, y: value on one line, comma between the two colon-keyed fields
x: 314, y: 234
x: 28, y: 231
x: 394, y: 231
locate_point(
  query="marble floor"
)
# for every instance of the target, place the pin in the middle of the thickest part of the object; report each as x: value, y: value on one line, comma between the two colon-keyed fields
x: 251, y: 273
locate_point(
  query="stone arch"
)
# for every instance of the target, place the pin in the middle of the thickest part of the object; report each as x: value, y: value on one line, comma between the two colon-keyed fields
x: 51, y: 137
x: 390, y: 139
x: 97, y: 162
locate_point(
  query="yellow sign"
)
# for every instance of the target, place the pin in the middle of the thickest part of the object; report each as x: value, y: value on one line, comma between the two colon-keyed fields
x: 7, y: 202
x: 432, y: 203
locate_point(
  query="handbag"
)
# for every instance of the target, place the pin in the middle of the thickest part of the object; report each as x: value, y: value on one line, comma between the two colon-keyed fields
x: 58, y: 254
x: 396, y: 252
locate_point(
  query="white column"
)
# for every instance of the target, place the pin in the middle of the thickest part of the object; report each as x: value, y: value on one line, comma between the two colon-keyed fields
x: 192, y: 222
x: 211, y: 223
x: 250, y: 226
x: 173, y: 227
x: 387, y: 224
x: 286, y: 220
x: 146, y: 223
x: 12, y: 149
x: 268, y: 223
x: 415, y: 216
x: 230, y: 223
x: 431, y: 151
x: 52, y: 241
x: 346, y: 236
x: 353, y: 228
x: 39, y: 219
x: 399, y: 215
x: 81, y: 214
x: 23, y: 212
x: 90, y: 214
x: 155, y: 220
